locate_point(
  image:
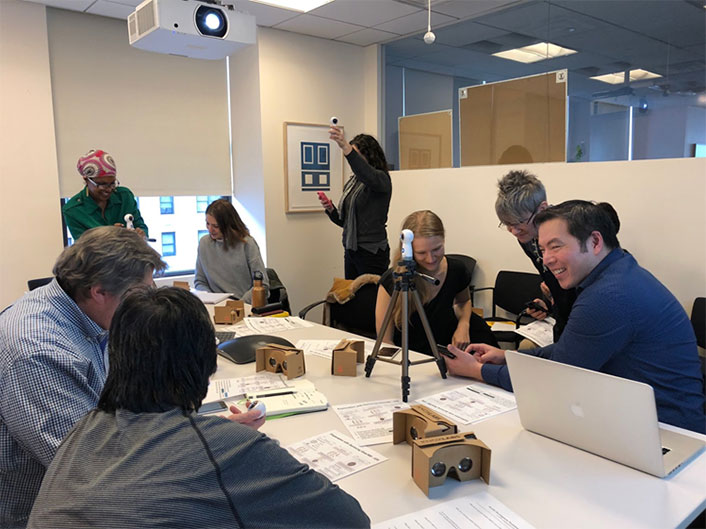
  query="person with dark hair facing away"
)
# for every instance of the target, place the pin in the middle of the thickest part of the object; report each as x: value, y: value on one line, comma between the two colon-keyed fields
x: 624, y: 322
x: 102, y: 201
x: 362, y: 210
x: 228, y: 256
x: 53, y: 360
x: 446, y: 305
x: 145, y: 458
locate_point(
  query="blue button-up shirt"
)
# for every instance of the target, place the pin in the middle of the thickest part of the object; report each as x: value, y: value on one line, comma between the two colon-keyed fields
x: 626, y: 323
x: 52, y: 370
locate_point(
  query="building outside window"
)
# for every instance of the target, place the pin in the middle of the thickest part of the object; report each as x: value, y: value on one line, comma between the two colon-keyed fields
x: 203, y: 201
x: 168, y: 243
x: 201, y: 233
x: 166, y: 205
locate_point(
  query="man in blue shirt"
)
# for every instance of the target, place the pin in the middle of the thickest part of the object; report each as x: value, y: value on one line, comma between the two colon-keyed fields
x: 624, y: 322
x: 53, y: 362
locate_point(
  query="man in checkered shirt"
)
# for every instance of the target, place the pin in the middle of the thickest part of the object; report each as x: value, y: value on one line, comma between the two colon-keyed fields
x: 53, y: 361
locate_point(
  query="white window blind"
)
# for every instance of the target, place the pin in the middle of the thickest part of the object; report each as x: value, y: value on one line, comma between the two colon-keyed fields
x: 164, y: 119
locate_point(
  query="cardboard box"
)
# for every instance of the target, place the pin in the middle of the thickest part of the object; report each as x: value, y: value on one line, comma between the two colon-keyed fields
x: 181, y: 284
x: 460, y: 456
x: 232, y: 312
x: 277, y: 358
x: 346, y: 356
x: 419, y: 422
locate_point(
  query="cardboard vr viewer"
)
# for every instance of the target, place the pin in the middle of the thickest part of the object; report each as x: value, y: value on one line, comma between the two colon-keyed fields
x: 462, y: 456
x: 277, y: 358
x: 346, y: 356
x: 232, y: 312
x: 419, y: 422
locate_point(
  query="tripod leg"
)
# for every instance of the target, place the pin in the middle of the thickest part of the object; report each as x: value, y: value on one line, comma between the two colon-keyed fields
x: 440, y: 363
x: 387, y: 320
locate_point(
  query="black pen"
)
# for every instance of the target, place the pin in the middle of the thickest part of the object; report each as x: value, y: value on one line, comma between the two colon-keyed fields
x: 273, y: 394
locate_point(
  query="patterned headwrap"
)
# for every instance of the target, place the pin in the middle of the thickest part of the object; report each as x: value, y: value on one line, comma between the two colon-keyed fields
x: 96, y: 163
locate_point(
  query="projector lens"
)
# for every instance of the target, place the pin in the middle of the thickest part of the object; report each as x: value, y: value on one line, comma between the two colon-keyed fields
x: 211, y: 21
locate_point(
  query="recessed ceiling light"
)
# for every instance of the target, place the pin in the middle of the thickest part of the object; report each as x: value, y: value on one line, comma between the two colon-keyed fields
x: 295, y: 5
x: 536, y: 52
x: 619, y: 77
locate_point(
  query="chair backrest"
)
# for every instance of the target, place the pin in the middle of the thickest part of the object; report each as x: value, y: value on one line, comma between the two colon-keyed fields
x: 357, y: 315
x: 698, y: 320
x: 513, y: 289
x: 40, y: 282
x: 278, y: 292
x: 466, y: 260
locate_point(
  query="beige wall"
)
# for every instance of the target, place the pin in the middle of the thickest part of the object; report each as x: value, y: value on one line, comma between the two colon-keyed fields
x: 661, y: 203
x: 30, y: 238
x: 305, y: 79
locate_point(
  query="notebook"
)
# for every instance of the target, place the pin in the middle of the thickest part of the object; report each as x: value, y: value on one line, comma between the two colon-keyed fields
x: 612, y: 417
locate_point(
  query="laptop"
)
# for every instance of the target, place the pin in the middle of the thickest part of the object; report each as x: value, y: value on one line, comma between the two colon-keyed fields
x: 609, y: 416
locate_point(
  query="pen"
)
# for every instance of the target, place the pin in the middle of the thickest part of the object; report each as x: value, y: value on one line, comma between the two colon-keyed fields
x: 272, y: 394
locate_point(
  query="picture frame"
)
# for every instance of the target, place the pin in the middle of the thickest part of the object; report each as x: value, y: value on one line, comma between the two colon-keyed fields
x: 312, y: 163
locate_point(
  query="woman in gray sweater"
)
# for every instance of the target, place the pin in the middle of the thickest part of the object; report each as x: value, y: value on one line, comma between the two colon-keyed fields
x: 228, y: 256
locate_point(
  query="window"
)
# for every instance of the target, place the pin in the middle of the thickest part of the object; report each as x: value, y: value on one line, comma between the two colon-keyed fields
x: 202, y: 202
x: 166, y: 205
x: 168, y: 243
x: 201, y: 234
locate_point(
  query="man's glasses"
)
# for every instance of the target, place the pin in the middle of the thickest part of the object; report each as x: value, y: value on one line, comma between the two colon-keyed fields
x: 504, y: 226
x: 105, y: 185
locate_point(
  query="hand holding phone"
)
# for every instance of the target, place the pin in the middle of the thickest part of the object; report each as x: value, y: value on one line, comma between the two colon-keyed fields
x: 535, y: 306
x: 444, y: 351
x: 325, y: 201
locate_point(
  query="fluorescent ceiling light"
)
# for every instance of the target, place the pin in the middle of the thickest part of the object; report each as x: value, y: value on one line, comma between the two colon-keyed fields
x: 619, y: 77
x: 536, y: 52
x: 295, y: 5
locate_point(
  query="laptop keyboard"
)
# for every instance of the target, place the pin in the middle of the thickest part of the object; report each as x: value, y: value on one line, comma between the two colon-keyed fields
x: 224, y: 336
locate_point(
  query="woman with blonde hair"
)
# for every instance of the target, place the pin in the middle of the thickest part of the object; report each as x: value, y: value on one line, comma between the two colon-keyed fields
x: 447, y: 305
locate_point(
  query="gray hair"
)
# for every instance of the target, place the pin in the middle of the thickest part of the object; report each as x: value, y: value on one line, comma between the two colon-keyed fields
x: 111, y: 256
x: 519, y: 195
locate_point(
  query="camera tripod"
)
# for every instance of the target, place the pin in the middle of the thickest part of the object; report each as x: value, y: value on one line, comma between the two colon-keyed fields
x: 404, y: 285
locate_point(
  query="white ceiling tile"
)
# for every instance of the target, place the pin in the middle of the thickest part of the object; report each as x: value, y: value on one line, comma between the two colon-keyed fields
x: 466, y: 9
x: 366, y: 13
x: 415, y: 22
x: 266, y: 15
x: 110, y: 9
x: 73, y: 5
x: 318, y: 27
x: 368, y: 36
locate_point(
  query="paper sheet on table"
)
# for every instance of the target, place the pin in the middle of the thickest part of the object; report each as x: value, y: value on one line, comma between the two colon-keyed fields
x: 211, y: 298
x: 324, y: 348
x: 334, y: 455
x: 472, y: 403
x: 540, y: 332
x: 274, y: 325
x: 370, y: 423
x: 228, y: 388
x: 480, y: 510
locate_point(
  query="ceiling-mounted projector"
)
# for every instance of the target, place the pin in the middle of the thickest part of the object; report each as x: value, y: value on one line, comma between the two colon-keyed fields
x: 190, y: 28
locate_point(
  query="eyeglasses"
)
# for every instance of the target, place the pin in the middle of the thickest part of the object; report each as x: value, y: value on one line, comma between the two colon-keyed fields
x: 105, y: 185
x: 509, y: 225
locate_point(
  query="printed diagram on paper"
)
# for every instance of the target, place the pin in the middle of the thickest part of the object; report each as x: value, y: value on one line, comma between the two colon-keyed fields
x: 370, y: 423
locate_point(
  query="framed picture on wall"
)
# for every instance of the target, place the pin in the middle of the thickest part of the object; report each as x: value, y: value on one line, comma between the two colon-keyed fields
x: 312, y: 163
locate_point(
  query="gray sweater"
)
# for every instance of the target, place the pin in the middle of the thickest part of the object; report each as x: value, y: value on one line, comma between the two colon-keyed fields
x: 231, y: 271
x: 127, y: 470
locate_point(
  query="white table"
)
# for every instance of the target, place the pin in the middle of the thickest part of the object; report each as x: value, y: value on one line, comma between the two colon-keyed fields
x: 547, y: 483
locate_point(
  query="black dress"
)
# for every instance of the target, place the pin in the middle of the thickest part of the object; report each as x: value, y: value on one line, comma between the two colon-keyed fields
x: 440, y: 312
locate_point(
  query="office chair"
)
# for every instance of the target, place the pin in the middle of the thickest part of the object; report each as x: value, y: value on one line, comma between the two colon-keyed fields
x: 698, y: 322
x: 466, y: 260
x: 356, y: 315
x: 278, y: 292
x: 40, y: 282
x: 510, y: 293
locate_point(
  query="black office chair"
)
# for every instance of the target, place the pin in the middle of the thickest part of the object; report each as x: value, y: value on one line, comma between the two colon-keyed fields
x: 357, y: 315
x: 40, y: 282
x: 466, y: 260
x: 278, y: 292
x: 698, y: 321
x: 510, y: 293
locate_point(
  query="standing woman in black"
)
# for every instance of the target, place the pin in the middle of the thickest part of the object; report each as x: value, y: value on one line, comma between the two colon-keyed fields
x: 362, y: 210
